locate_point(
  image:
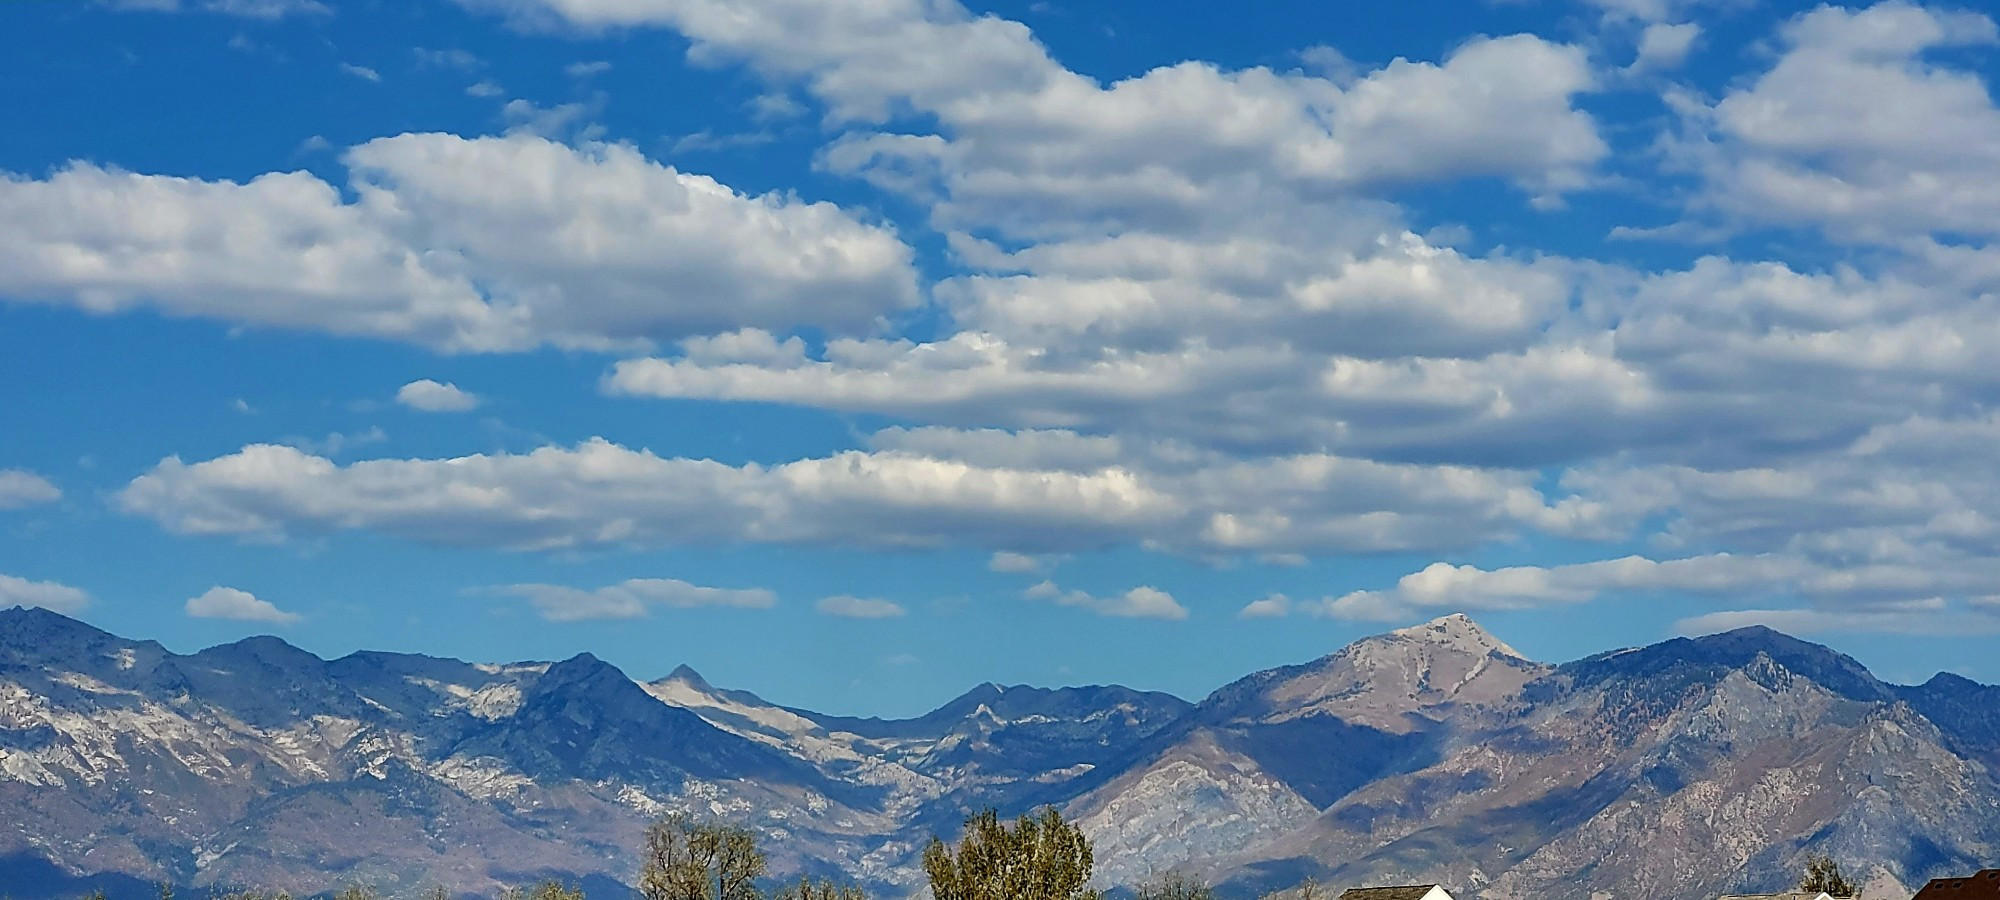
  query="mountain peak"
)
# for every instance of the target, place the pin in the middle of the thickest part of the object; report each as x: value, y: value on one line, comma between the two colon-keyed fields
x: 1457, y: 631
x: 18, y: 617
x: 686, y: 674
x: 1737, y: 649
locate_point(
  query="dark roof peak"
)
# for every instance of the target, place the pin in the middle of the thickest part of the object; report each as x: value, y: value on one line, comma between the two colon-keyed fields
x: 1396, y: 892
x: 1981, y: 885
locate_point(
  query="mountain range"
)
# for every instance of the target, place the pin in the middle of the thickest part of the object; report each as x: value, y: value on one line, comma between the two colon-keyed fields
x: 1434, y: 753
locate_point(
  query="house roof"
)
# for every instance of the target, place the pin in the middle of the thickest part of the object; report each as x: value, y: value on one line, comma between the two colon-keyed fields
x: 1981, y: 885
x: 1400, y: 892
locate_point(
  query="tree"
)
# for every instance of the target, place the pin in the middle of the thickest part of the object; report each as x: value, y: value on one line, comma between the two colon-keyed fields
x: 1174, y: 886
x: 689, y: 860
x: 1308, y: 889
x: 1823, y: 874
x: 1039, y: 858
x: 823, y: 889
x: 547, y: 890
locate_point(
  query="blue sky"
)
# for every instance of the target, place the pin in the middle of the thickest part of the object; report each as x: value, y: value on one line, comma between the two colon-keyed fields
x: 859, y: 351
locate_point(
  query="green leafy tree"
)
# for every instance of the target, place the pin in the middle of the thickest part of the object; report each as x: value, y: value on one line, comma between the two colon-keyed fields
x: 823, y: 889
x: 1174, y: 886
x: 1038, y: 858
x: 1823, y: 874
x: 690, y: 860
x: 357, y: 892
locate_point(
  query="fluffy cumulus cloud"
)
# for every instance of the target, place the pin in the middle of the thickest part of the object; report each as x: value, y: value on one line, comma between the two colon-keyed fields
x: 633, y: 598
x: 600, y: 494
x: 1858, y: 129
x: 237, y: 605
x: 1014, y: 119
x: 1137, y: 603
x: 1276, y: 606
x: 20, y: 488
x: 462, y: 244
x: 847, y: 607
x: 49, y: 595
x: 427, y: 395
x: 1664, y: 46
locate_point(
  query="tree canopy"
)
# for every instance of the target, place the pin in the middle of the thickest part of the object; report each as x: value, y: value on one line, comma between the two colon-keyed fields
x: 1037, y: 858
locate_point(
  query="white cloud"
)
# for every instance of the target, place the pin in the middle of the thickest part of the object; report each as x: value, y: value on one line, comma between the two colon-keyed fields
x: 1276, y: 606
x: 846, y: 607
x: 1014, y: 563
x: 587, y: 69
x: 230, y: 603
x: 1137, y: 603
x: 20, y: 488
x: 632, y: 598
x: 601, y: 494
x: 432, y: 396
x: 1018, y: 130
x: 362, y: 72
x: 48, y: 595
x: 1844, y: 593
x: 454, y: 58
x: 1856, y: 132
x: 1663, y: 47
x: 465, y: 245
x: 1442, y: 585
x: 249, y: 9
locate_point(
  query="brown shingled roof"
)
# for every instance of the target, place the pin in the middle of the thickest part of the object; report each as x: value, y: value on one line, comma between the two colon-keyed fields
x: 1400, y: 892
x: 1982, y: 885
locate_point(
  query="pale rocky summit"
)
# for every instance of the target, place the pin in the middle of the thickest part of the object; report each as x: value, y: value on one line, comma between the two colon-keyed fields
x: 1431, y: 753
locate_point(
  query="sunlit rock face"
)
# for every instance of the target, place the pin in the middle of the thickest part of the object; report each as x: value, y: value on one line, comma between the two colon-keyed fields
x: 1431, y: 753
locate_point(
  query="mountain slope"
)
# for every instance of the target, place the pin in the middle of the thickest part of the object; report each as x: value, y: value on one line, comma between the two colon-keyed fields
x: 1262, y: 755
x: 1684, y: 769
x: 1434, y: 752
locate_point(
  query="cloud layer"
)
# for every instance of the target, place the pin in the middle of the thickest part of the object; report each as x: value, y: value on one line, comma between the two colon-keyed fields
x: 633, y: 598
x: 1198, y: 309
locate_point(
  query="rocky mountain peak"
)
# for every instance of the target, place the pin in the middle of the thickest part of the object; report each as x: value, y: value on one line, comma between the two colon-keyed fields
x: 686, y: 675
x: 1457, y: 632
x: 1741, y: 649
x: 1383, y: 680
x: 34, y: 630
x: 1953, y: 683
